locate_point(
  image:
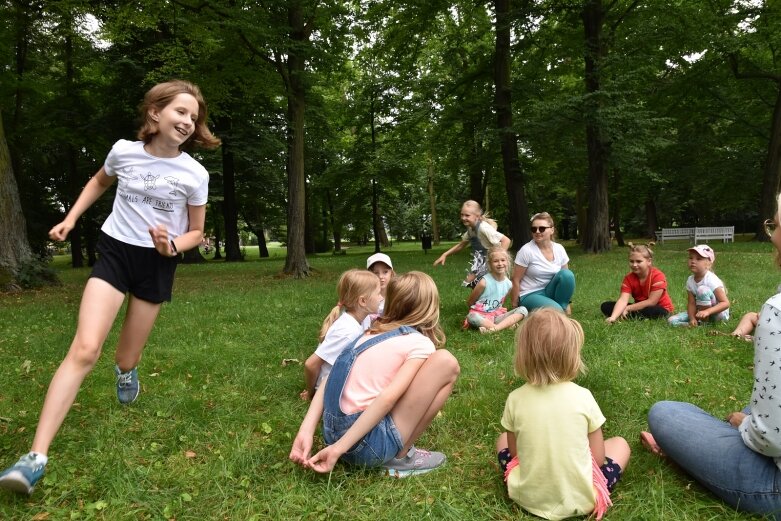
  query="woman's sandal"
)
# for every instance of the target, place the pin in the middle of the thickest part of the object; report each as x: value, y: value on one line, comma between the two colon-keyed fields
x: 648, y: 441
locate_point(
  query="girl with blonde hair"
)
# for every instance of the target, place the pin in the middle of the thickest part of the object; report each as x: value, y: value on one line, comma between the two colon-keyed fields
x: 486, y: 303
x: 384, y: 391
x: 360, y: 295
x: 555, y: 460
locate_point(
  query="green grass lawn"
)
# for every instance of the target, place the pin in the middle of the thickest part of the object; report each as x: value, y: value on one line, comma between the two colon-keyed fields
x: 209, y: 436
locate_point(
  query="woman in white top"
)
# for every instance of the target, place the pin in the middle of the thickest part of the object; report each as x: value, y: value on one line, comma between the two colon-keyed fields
x: 541, y: 276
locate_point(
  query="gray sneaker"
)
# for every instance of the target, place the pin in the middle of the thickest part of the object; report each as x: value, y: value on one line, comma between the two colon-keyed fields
x: 127, y: 385
x: 417, y: 461
x: 23, y: 475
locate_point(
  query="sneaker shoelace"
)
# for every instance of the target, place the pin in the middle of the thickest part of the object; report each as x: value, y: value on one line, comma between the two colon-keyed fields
x: 30, y: 462
x: 125, y: 379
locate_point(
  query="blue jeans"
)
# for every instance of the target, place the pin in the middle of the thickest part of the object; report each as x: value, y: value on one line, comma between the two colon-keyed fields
x: 380, y: 444
x: 712, y: 452
x: 557, y: 294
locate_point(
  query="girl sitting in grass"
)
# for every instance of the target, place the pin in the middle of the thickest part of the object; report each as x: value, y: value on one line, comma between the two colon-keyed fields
x: 486, y: 311
x: 385, y: 390
x: 645, y: 284
x: 708, y: 300
x: 359, y: 296
x: 555, y: 461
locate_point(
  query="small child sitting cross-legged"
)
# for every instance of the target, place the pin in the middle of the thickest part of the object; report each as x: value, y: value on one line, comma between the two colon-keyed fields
x: 708, y: 300
x: 486, y: 312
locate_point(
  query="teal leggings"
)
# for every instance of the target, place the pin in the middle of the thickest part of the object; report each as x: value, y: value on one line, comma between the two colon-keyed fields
x: 557, y: 294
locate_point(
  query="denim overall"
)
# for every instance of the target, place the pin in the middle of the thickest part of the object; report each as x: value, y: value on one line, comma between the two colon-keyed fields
x: 380, y: 444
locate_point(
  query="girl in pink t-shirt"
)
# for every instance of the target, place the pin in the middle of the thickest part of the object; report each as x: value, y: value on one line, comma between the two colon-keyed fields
x: 383, y: 392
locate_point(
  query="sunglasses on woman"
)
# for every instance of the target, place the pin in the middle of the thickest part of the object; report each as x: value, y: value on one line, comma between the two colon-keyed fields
x: 540, y: 229
x: 770, y: 227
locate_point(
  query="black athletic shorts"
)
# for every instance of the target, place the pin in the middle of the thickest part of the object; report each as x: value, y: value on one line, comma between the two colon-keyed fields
x: 137, y: 270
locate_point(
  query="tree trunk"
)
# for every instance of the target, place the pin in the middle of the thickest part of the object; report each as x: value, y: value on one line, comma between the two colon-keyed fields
x: 15, y: 250
x: 596, y: 237
x: 772, y: 172
x: 336, y: 228
x: 309, y: 229
x: 230, y: 212
x: 295, y: 261
x: 432, y: 200
x: 476, y: 178
x: 513, y: 175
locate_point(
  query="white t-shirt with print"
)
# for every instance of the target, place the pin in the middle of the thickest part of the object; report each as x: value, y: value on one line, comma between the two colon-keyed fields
x: 151, y: 191
x: 539, y: 270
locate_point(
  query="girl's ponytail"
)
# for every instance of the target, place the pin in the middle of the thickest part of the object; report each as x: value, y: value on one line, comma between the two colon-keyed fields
x: 329, y: 320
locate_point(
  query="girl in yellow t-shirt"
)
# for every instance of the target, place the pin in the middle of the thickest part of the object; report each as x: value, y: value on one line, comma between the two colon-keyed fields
x: 555, y: 461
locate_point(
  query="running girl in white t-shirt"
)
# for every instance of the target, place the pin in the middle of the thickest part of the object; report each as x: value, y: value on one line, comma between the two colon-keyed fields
x: 359, y: 296
x: 384, y: 391
x: 159, y: 211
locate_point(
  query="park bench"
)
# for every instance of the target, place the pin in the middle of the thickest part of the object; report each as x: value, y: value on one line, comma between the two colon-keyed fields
x: 724, y: 233
x: 674, y: 234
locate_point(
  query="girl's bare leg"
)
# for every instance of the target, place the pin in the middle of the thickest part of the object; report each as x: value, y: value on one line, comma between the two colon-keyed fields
x: 100, y: 304
x: 618, y: 450
x: 425, y: 397
x: 746, y: 325
x: 139, y: 320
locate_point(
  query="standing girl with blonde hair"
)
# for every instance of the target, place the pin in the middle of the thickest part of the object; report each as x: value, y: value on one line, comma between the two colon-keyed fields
x: 360, y: 295
x: 481, y: 234
x: 159, y: 211
x: 383, y: 392
x: 555, y: 460
x: 645, y: 284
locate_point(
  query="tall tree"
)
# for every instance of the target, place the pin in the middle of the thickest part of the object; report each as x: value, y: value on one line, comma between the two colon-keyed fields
x: 13, y: 231
x: 513, y: 173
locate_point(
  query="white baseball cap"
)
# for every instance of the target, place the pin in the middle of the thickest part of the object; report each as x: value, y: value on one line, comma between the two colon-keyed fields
x: 378, y: 257
x: 705, y: 251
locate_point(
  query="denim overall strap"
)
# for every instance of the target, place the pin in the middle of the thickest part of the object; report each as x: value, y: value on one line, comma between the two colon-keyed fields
x: 474, y: 240
x: 344, y: 364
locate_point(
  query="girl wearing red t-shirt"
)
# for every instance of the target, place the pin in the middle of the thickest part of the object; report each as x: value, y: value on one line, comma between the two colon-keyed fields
x: 646, y: 285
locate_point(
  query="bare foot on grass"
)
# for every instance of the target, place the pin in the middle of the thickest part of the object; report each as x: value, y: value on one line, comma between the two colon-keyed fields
x: 648, y: 441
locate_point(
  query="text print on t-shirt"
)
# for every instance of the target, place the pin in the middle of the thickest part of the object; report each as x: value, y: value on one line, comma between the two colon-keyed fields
x: 150, y: 183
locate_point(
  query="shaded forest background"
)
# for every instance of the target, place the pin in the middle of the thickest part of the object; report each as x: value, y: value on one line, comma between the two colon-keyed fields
x: 358, y: 121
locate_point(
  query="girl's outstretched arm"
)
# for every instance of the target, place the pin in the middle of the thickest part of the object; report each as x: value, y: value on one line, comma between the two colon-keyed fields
x: 302, y: 445
x: 325, y: 460
x: 620, y: 309
x: 691, y: 309
x: 596, y: 442
x: 455, y: 249
x: 94, y: 188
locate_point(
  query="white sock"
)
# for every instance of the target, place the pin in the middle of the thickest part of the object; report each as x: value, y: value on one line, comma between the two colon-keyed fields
x: 42, y: 459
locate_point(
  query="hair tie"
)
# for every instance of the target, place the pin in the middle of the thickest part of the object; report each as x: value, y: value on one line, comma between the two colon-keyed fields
x: 339, y: 304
